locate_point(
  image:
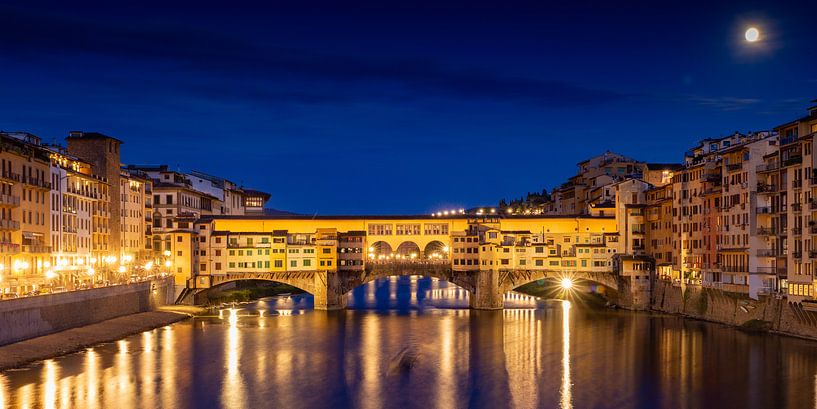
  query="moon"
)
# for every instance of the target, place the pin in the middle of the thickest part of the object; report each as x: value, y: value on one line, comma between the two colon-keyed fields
x: 752, y: 34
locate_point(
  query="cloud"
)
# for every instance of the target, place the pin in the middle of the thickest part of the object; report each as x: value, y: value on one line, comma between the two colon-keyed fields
x: 725, y: 103
x: 260, y: 73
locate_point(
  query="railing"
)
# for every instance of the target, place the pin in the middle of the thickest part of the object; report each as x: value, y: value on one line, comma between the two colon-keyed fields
x: 9, y: 200
x: 764, y: 270
x: 9, y: 224
x: 69, y: 229
x: 797, y: 183
x: 9, y: 248
x: 794, y: 160
x: 797, y: 254
x: 812, y: 254
x: 766, y: 231
x: 768, y: 167
x: 36, y: 182
x: 36, y: 248
x: 813, y: 229
x: 797, y: 231
x: 639, y: 231
x: 734, y: 167
x: 11, y: 176
x: 797, y: 207
x: 764, y: 210
x: 767, y: 253
x: 764, y: 188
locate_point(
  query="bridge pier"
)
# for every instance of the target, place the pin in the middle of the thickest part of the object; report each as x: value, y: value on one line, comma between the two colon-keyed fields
x: 328, y: 294
x: 488, y: 292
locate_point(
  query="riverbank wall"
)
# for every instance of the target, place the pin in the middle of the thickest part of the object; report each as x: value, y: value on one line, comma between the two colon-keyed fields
x: 766, y: 313
x: 30, y: 317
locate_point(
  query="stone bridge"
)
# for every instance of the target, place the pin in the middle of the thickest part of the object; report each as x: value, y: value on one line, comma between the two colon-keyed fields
x: 485, y: 287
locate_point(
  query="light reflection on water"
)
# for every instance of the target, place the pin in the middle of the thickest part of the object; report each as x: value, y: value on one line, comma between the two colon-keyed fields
x: 410, y: 342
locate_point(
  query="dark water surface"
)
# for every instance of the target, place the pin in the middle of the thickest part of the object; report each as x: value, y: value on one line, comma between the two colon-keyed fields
x: 411, y: 343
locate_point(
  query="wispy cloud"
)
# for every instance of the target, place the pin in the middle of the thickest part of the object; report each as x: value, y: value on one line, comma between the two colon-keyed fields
x: 268, y: 73
x: 725, y: 103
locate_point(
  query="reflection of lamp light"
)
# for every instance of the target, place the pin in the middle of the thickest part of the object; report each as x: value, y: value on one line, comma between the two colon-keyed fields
x: 50, y: 274
x: 167, y: 253
x: 168, y: 263
x: 148, y: 265
x: 93, y: 260
x: 91, y: 271
x: 122, y: 269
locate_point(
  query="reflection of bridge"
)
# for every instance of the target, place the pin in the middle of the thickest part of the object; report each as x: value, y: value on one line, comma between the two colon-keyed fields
x: 485, y: 287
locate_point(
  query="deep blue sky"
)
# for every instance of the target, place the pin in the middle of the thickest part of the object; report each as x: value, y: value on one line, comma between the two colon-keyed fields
x: 409, y: 108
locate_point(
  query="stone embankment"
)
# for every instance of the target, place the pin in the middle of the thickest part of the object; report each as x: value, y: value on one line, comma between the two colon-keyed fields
x: 76, y: 339
x: 767, y: 313
x: 30, y: 317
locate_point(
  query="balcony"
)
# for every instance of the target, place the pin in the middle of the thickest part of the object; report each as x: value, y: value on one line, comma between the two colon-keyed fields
x: 39, y: 183
x: 36, y: 248
x: 767, y: 167
x: 797, y: 254
x: 9, y: 200
x: 639, y: 231
x: 812, y: 205
x: 764, y: 188
x: 797, y: 183
x: 767, y: 253
x: 797, y: 231
x: 9, y: 248
x: 9, y: 225
x: 764, y: 270
x: 766, y: 231
x: 794, y: 160
x: 813, y: 229
x: 733, y: 167
x: 69, y: 229
x: 812, y: 254
x: 764, y: 210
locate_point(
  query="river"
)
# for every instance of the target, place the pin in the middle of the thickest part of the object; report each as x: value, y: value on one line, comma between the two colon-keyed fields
x: 411, y: 342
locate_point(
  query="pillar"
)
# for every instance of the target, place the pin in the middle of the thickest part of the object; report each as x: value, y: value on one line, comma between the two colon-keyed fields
x: 328, y: 293
x: 487, y: 292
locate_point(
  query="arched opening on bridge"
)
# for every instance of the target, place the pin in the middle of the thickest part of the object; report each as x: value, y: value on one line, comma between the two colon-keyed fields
x: 436, y: 249
x: 570, y: 287
x: 408, y: 249
x: 404, y: 292
x: 379, y: 248
x: 243, y: 290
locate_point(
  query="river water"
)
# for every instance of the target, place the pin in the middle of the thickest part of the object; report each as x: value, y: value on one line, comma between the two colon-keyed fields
x: 411, y: 342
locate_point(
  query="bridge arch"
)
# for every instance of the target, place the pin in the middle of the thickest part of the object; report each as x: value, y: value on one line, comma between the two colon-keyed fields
x: 436, y: 249
x: 408, y: 249
x: 516, y: 279
x: 461, y: 280
x: 380, y: 248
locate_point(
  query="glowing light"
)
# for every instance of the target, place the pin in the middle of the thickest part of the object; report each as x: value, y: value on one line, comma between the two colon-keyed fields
x: 93, y: 260
x: 166, y: 253
x: 168, y: 263
x: 752, y: 34
x: 50, y: 275
x: 566, y: 283
x: 91, y: 271
x: 122, y: 269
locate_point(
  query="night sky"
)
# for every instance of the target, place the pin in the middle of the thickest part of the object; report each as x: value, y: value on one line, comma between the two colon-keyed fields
x: 409, y: 108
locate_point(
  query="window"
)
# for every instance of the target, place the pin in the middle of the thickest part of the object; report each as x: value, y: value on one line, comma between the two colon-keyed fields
x: 293, y: 263
x: 279, y: 263
x: 380, y: 229
x: 326, y: 250
x: 218, y: 266
x: 169, y: 199
x: 435, y: 228
x: 408, y: 229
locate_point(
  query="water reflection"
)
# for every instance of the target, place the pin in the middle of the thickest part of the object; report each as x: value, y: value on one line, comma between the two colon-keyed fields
x: 409, y: 342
